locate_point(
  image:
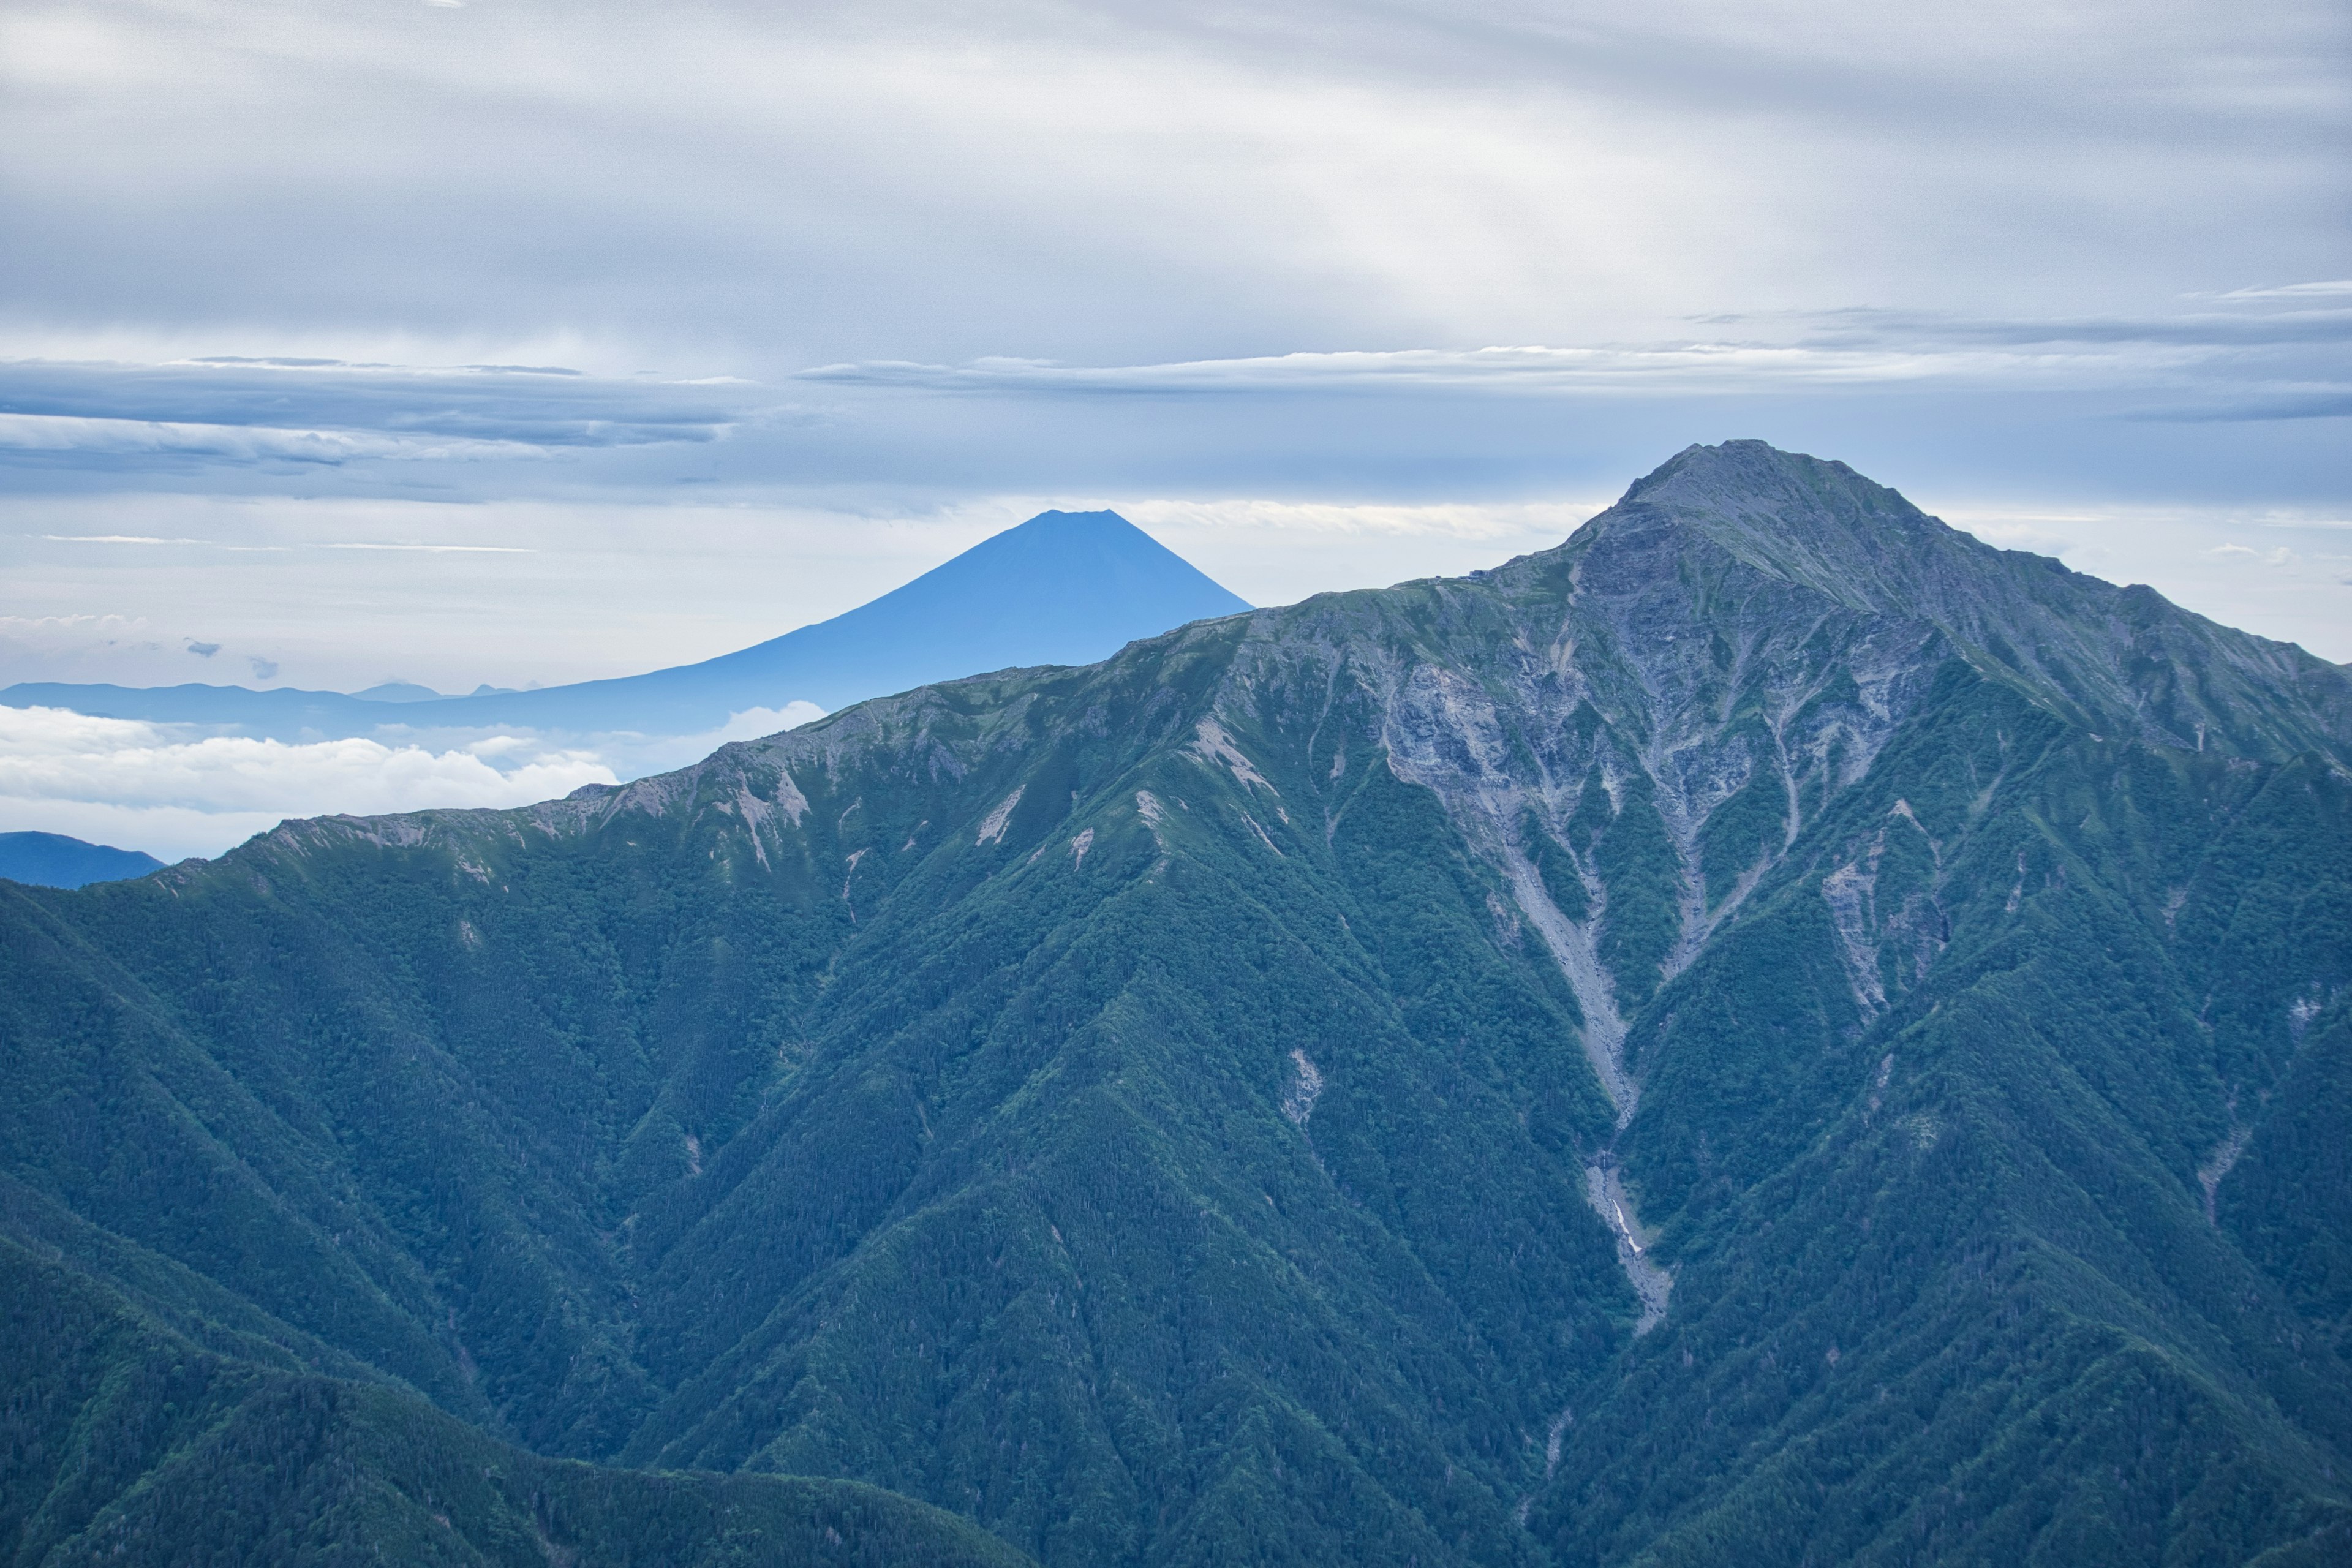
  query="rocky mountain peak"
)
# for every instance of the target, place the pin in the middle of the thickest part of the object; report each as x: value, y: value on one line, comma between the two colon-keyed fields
x: 1802, y: 518
x: 1743, y: 538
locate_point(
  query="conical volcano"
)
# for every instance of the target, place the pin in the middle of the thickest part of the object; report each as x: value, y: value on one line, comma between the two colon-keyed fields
x: 1065, y: 587
x: 1061, y: 588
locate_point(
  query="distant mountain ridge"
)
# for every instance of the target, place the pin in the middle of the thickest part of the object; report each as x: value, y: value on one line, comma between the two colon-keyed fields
x: 55, y: 860
x: 1769, y: 1032
x: 1063, y: 588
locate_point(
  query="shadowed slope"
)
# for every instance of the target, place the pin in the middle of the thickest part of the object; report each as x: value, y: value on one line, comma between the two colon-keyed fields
x: 127, y: 1443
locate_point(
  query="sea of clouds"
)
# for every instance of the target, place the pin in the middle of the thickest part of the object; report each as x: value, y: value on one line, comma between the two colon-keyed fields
x: 177, y: 791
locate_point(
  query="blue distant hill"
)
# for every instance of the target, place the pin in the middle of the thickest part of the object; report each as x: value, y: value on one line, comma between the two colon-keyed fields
x: 53, y: 860
x: 1065, y: 587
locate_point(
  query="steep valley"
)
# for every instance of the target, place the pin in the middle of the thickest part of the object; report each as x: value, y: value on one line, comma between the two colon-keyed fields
x: 1771, y: 1032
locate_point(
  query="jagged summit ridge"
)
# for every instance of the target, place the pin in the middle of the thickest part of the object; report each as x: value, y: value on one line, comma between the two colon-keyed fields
x: 1813, y: 522
x: 2122, y: 660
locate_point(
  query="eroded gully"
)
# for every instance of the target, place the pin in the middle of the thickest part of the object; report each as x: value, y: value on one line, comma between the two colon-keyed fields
x: 1574, y: 946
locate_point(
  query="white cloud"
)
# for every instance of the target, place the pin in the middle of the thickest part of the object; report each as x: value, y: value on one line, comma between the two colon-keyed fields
x: 234, y: 443
x: 2335, y: 289
x: 177, y: 791
x: 171, y: 834
x: 756, y: 723
x: 917, y: 178
x: 634, y: 756
x: 1725, y: 366
x: 118, y: 539
x: 173, y: 793
x: 2278, y: 557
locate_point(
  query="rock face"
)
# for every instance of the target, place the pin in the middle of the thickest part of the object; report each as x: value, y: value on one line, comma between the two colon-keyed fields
x: 1769, y: 1032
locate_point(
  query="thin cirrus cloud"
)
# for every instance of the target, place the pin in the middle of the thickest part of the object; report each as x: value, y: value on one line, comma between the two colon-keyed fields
x: 282, y: 549
x: 85, y: 441
x: 2245, y: 360
x: 122, y: 539
x: 2337, y: 288
x: 311, y: 411
x: 1855, y: 348
x: 2269, y: 354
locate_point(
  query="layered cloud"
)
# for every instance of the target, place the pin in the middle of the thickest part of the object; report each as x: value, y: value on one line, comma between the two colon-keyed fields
x: 2264, y: 355
x: 526, y: 249
x: 313, y: 411
x: 48, y: 751
x: 779, y: 186
x: 176, y: 790
x: 2226, y: 353
x: 103, y: 443
x: 174, y: 793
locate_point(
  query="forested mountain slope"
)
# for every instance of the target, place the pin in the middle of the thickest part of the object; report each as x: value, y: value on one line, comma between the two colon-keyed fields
x: 1771, y: 1032
x: 127, y: 1443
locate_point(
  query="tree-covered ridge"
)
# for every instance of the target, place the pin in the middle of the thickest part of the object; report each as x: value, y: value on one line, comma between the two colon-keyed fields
x: 1770, y: 1031
x: 127, y: 1443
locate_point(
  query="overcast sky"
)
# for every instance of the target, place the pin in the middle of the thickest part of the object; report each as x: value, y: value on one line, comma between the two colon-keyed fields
x: 507, y: 341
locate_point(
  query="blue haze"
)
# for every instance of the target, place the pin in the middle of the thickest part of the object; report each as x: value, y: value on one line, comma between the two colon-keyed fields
x: 1061, y: 588
x: 53, y: 860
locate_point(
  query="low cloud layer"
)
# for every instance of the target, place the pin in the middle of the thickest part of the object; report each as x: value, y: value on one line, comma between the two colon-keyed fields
x: 176, y: 792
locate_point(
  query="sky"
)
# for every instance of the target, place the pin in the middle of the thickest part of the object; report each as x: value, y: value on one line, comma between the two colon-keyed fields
x: 507, y: 341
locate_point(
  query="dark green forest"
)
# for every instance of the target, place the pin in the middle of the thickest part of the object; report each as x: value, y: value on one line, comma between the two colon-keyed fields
x: 1772, y: 1033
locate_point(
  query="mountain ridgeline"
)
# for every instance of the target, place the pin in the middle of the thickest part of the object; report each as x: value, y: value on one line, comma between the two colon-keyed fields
x: 1771, y: 1032
x: 1065, y: 587
x: 53, y: 860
